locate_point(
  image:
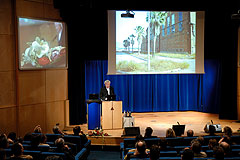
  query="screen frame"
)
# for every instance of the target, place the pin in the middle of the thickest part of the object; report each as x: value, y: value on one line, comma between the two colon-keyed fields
x: 18, y: 44
x: 199, y: 59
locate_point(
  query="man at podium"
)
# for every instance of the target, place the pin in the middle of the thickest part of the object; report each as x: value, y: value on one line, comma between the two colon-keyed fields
x: 106, y: 91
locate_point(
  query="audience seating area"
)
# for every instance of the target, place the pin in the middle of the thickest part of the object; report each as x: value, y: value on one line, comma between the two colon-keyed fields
x: 175, y: 147
x: 79, y: 150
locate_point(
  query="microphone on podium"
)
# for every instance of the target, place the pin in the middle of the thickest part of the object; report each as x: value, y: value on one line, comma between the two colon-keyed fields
x: 178, y: 123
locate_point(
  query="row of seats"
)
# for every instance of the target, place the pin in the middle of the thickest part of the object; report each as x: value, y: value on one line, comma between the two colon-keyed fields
x: 177, y: 144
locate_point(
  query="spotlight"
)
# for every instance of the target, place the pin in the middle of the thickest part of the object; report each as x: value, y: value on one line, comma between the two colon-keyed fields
x: 128, y: 14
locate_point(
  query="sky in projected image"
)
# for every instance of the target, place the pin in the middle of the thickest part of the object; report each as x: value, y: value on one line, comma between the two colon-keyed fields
x: 168, y: 47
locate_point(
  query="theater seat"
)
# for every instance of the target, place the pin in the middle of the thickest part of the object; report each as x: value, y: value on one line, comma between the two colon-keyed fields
x: 53, y: 137
x: 43, y: 155
x: 82, y: 155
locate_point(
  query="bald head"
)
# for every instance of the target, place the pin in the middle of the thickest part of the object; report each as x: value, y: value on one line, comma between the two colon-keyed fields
x: 141, y: 147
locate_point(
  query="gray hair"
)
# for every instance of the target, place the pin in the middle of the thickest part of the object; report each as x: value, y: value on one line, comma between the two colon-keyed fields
x: 107, y: 81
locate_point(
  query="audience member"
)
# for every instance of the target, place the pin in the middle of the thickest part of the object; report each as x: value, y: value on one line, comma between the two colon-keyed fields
x: 170, y: 133
x: 226, y: 148
x: 57, y: 130
x: 187, y: 154
x: 17, y: 150
x: 200, y: 139
x: 12, y: 137
x: 227, y: 131
x: 212, y: 130
x: 27, y: 137
x: 43, y: 140
x: 139, y: 152
x: 2, y: 154
x: 37, y: 129
x: 190, y: 133
x: 212, y: 143
x: 154, y: 152
x: 3, y: 141
x: 35, y: 141
x: 63, y: 148
x: 78, y: 132
x: 218, y: 153
x: 139, y: 138
x: 197, y: 150
x: 148, y: 133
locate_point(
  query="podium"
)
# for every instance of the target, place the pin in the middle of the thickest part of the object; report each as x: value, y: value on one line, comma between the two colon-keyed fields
x: 111, y: 114
x: 94, y: 114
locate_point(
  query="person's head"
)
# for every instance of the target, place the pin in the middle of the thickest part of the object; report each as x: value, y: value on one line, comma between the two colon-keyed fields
x: 3, y: 141
x: 226, y: 147
x: 139, y: 138
x: 196, y: 147
x: 148, y: 132
x: 37, y: 129
x: 200, y: 139
x: 141, y: 147
x: 187, y: 154
x: 212, y: 143
x: 190, y: 133
x: 107, y: 83
x: 212, y: 130
x: 28, y: 136
x: 60, y: 143
x: 154, y: 152
x: 227, y: 131
x: 53, y: 158
x: 56, y: 130
x: 218, y: 153
x: 76, y: 130
x: 12, y: 136
x: 170, y: 133
x: 17, y: 149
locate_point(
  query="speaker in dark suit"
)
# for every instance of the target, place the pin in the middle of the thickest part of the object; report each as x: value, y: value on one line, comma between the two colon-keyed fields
x: 106, y: 90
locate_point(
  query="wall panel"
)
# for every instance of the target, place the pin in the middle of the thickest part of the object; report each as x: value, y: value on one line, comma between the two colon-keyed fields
x: 8, y: 120
x: 29, y: 9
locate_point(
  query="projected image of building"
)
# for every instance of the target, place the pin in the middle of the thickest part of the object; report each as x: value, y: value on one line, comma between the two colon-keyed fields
x: 177, y: 34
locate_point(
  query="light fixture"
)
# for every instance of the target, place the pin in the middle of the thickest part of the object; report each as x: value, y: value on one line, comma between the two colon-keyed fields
x: 236, y: 16
x: 128, y: 14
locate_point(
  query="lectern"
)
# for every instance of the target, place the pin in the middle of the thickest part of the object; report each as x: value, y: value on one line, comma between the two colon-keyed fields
x: 111, y: 114
x: 94, y: 113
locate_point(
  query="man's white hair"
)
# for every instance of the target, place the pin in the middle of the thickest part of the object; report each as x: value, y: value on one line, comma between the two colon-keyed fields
x: 107, y: 81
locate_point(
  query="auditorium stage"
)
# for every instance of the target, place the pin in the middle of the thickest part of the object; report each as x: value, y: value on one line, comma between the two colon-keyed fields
x: 160, y: 121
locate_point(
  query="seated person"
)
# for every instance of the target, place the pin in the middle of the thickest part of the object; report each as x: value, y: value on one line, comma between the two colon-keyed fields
x: 17, y: 150
x: 187, y: 154
x: 226, y: 148
x: 190, y: 133
x: 212, y: 130
x: 154, y: 152
x: 218, y: 153
x: 43, y: 140
x: 139, y: 152
x: 12, y: 137
x: 78, y: 132
x: 148, y: 133
x: 212, y: 143
x: 197, y: 150
x: 3, y: 141
x: 27, y: 137
x: 63, y: 148
x: 57, y: 130
x: 163, y: 144
x: 35, y: 141
x: 37, y: 129
x: 170, y: 133
x: 227, y: 131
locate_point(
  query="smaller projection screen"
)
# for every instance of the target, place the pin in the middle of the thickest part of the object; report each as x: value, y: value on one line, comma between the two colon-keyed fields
x: 156, y: 42
x: 42, y: 44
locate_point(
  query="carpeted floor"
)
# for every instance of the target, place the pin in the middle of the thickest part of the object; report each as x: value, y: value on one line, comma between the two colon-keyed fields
x: 104, y: 155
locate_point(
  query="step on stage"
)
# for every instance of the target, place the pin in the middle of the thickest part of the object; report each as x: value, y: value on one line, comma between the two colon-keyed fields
x: 160, y: 122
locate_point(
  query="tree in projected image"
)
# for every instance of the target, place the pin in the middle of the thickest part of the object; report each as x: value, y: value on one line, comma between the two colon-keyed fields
x: 126, y: 44
x: 132, y: 36
x: 156, y: 19
x: 140, y: 33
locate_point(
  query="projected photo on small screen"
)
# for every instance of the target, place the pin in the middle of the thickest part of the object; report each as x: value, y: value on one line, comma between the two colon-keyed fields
x: 154, y: 42
x: 42, y: 44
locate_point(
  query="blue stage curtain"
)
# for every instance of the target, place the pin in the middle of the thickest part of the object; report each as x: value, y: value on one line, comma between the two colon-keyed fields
x: 159, y: 92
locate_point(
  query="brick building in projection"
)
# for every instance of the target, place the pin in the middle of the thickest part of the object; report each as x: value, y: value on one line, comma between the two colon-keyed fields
x: 177, y: 34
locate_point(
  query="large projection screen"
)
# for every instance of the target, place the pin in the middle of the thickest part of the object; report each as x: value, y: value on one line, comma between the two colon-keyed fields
x: 42, y: 44
x: 174, y: 44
